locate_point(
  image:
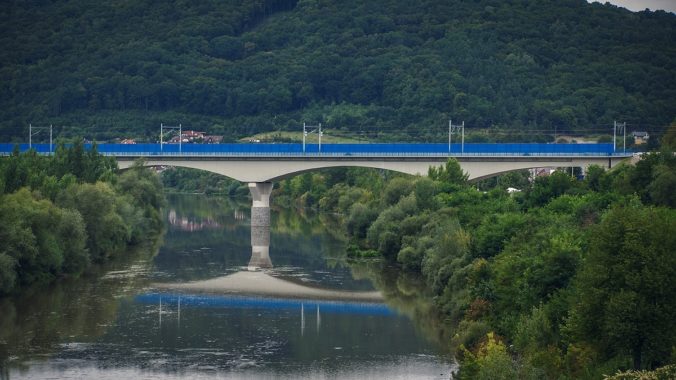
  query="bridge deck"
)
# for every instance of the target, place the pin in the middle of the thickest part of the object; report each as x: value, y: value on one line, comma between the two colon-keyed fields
x: 341, y: 150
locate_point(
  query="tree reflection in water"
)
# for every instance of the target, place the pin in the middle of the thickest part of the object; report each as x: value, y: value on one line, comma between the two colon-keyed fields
x: 40, y: 319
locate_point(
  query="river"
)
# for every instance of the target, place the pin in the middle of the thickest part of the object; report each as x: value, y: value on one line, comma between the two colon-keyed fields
x: 204, y: 304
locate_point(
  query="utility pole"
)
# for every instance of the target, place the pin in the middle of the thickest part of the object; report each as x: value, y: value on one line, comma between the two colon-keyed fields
x: 455, y: 129
x: 38, y: 129
x: 180, y: 136
x: 623, y: 128
x: 315, y: 128
x: 462, y: 144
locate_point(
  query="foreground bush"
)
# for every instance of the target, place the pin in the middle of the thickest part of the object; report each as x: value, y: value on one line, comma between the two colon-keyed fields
x: 60, y: 214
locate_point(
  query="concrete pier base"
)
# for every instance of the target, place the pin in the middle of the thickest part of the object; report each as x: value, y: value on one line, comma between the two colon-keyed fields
x: 260, y: 248
x: 260, y: 209
x: 260, y: 258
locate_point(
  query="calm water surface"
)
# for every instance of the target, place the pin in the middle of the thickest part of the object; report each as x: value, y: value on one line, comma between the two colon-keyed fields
x: 201, y: 308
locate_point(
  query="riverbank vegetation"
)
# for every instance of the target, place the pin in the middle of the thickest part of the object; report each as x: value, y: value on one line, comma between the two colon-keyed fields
x: 566, y: 279
x: 60, y: 214
x: 382, y: 69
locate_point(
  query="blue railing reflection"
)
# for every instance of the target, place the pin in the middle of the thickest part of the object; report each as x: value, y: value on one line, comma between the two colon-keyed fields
x: 246, y: 302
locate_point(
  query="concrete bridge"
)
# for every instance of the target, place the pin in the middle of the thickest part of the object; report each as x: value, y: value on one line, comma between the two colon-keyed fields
x: 256, y: 163
x: 261, y: 164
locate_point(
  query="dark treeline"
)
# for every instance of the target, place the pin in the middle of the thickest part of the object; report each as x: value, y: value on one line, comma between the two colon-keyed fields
x: 59, y: 214
x: 566, y: 279
x: 400, y: 68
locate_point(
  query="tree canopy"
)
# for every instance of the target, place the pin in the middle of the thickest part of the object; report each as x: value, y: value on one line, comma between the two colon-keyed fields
x: 60, y: 213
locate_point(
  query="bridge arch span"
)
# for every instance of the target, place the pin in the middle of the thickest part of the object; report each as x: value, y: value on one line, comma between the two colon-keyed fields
x: 270, y: 169
x: 124, y: 165
x: 479, y: 170
x: 249, y: 171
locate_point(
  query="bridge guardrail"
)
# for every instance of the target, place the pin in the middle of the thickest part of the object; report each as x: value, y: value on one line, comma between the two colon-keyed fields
x: 361, y: 154
x: 343, y: 155
x: 340, y: 150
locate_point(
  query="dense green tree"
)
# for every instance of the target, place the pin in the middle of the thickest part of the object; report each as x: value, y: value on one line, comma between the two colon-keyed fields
x: 107, y: 232
x: 396, y: 189
x: 449, y: 174
x: 491, y: 362
x: 495, y: 232
x: 425, y: 192
x: 651, y: 178
x: 142, y: 189
x: 668, y: 141
x: 63, y: 212
x: 626, y: 305
x: 596, y: 179
x: 359, y: 219
x: 549, y: 187
x: 661, y: 189
x: 40, y: 240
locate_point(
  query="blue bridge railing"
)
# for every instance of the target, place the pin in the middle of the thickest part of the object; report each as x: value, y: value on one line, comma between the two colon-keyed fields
x: 376, y: 149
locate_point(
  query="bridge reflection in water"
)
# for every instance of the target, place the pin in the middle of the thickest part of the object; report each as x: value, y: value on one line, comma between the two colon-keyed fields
x: 257, y: 287
x: 231, y: 301
x: 263, y: 284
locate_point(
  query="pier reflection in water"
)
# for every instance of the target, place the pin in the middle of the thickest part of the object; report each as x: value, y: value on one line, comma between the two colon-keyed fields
x: 211, y: 305
x: 260, y: 248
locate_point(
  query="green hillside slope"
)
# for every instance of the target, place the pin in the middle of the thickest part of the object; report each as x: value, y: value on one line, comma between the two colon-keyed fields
x: 399, y: 68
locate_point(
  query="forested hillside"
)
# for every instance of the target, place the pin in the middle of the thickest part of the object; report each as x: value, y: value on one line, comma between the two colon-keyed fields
x: 399, y: 68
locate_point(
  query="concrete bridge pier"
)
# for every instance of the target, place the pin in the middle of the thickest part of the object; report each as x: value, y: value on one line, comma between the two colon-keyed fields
x: 260, y: 209
x: 260, y: 225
